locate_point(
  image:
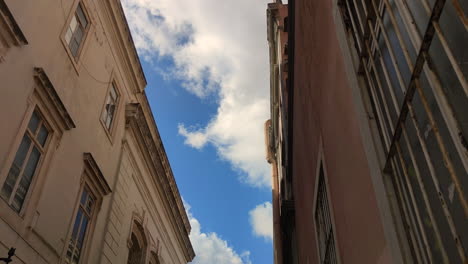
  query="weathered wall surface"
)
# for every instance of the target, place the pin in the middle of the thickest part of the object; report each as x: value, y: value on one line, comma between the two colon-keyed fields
x: 323, y: 110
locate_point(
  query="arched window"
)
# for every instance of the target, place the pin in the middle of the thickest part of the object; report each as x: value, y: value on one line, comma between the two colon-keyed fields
x: 136, y: 253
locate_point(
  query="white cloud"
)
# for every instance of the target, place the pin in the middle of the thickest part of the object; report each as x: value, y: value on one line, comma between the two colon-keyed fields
x: 210, y: 248
x: 195, y: 139
x: 218, y: 48
x: 261, y: 220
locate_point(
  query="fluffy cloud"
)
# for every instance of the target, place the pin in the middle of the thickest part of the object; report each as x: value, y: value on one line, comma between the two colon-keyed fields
x: 219, y: 48
x: 261, y: 220
x: 210, y: 248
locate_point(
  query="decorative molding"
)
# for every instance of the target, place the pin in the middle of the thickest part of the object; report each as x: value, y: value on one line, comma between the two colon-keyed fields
x: 10, y: 32
x: 15, y: 31
x: 52, y: 98
x: 96, y: 175
x: 154, y: 149
x: 125, y: 44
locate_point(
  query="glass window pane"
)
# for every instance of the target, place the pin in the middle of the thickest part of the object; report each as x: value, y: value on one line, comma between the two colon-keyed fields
x: 42, y: 136
x: 104, y: 115
x: 89, y: 205
x: 73, y: 24
x: 68, y: 36
x: 84, y: 197
x: 69, y: 252
x: 26, y: 179
x: 34, y: 122
x: 76, y: 256
x: 113, y: 93
x: 78, y: 35
x: 81, y: 236
x: 109, y: 121
x: 22, y: 151
x: 81, y: 16
x: 74, y: 47
x: 79, y: 215
x: 15, y: 168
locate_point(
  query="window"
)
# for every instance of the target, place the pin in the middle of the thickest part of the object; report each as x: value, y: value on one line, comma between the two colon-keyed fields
x: 136, y: 252
x: 323, y: 223
x: 93, y: 189
x: 75, y: 32
x: 26, y: 162
x: 412, y: 59
x: 80, y: 227
x: 108, y: 114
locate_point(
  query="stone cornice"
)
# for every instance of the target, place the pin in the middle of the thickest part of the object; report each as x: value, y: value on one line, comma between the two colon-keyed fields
x: 96, y: 175
x: 53, y: 100
x: 14, y: 30
x: 138, y: 120
x: 124, y: 41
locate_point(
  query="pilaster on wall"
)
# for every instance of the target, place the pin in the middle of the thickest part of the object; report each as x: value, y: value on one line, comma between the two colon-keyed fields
x: 115, y: 243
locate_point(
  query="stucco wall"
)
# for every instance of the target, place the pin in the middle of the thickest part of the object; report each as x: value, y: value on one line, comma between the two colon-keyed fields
x: 40, y: 235
x: 323, y: 109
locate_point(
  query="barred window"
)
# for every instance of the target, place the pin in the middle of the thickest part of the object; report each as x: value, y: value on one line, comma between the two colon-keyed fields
x: 26, y: 162
x: 323, y: 223
x: 412, y: 56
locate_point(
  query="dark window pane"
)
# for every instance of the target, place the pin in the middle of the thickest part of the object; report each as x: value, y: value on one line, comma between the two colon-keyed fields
x: 69, y: 252
x: 26, y: 179
x: 42, y: 136
x: 81, y: 16
x: 79, y: 215
x: 84, y: 197
x: 89, y: 205
x: 22, y: 151
x: 15, y: 168
x: 34, y: 122
x: 81, y: 236
x: 74, y: 47
x: 78, y: 35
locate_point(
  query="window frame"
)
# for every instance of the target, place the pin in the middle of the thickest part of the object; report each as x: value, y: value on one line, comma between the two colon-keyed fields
x: 399, y: 148
x: 19, y: 217
x: 138, y: 230
x: 90, y: 225
x: 321, y: 166
x: 110, y: 132
x: 33, y: 144
x: 72, y: 13
x: 94, y: 182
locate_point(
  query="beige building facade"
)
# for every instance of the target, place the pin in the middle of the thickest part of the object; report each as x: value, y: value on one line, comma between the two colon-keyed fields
x: 84, y: 177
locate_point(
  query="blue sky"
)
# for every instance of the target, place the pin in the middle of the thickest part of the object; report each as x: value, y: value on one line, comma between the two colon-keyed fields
x: 206, y: 63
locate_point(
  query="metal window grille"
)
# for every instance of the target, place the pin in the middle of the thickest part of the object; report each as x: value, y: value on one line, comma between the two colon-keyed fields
x: 412, y: 56
x: 323, y: 224
x: 26, y: 162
